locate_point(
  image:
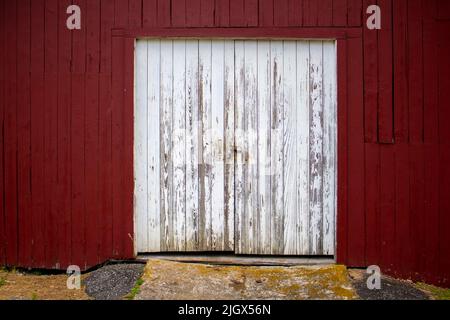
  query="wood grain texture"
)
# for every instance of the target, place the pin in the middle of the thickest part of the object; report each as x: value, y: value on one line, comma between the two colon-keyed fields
x: 246, y: 160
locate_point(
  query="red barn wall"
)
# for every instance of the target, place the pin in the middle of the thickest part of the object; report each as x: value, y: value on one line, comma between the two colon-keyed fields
x: 66, y: 179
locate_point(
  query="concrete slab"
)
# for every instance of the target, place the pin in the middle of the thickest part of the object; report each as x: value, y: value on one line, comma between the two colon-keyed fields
x: 192, y: 281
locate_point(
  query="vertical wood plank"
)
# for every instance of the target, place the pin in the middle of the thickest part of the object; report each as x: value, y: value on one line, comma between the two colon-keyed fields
x: 153, y: 145
x: 135, y: 13
x: 166, y: 145
x: 117, y: 102
x: 241, y: 232
x: 310, y: 13
x: 229, y: 112
x: 251, y: 13
x: 193, y: 13
x: 63, y: 132
x: 372, y: 203
x: 106, y: 24
x: 302, y: 139
x: 276, y: 139
x: 237, y: 13
x: 415, y: 67
x: 444, y: 153
x: 431, y: 78
x: 342, y: 169
x: 289, y: 147
x: 77, y: 135
x: 280, y: 13
x: 78, y: 169
x: 325, y: 13
x: 217, y: 141
x: 266, y: 13
x: 222, y: 13
x: 178, y: 13
x: 127, y: 145
x: 10, y: 136
x: 121, y: 13
x: 250, y: 146
x: 295, y: 13
x: 105, y: 173
x: 178, y: 145
x: 92, y: 168
x: 50, y: 127
x: 2, y: 110
x: 149, y: 13
x: 23, y: 134
x: 340, y: 13
x: 207, y: 13
x: 355, y: 13
x: 37, y: 131
x: 329, y: 147
x: 163, y: 17
x: 263, y: 133
x: 400, y: 65
x: 385, y: 108
x: 387, y: 207
x: 205, y: 68
x: 92, y: 132
x: 370, y: 83
x: 192, y: 146
x: 315, y: 146
x: 355, y: 154
x: 431, y: 138
x: 141, y: 176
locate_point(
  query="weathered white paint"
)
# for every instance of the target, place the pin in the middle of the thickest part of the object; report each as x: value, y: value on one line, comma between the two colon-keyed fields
x: 235, y: 146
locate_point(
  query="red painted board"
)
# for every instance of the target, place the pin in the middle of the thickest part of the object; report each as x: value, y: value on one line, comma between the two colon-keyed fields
x: 385, y: 72
x: 222, y: 13
x: 207, y: 13
x: 415, y: 70
x: 339, y: 13
x: 3, y: 78
x: 179, y: 13
x: 266, y: 13
x: 342, y: 201
x: 400, y: 65
x: 117, y: 102
x: 356, y: 218
x: 23, y: 135
x: 372, y: 203
x: 64, y: 211
x: 237, y: 13
x: 251, y: 12
x: 149, y: 13
x: 77, y: 170
x: 371, y: 66
x: 325, y: 13
x: 134, y: 13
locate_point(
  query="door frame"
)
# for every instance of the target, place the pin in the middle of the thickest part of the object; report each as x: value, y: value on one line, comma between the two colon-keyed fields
x: 349, y: 106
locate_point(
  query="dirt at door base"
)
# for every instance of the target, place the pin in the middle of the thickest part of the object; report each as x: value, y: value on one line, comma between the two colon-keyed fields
x: 190, y: 281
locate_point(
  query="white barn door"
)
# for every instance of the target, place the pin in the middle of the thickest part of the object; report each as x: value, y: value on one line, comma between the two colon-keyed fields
x: 235, y: 146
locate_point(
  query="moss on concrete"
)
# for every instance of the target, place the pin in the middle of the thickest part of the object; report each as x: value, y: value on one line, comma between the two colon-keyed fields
x: 175, y: 280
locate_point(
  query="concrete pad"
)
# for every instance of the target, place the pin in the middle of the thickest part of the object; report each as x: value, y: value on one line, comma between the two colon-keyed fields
x: 189, y: 281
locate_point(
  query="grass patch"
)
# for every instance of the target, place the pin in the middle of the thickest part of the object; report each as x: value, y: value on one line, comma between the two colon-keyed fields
x: 34, y: 296
x: 436, y: 292
x: 2, y: 282
x: 136, y: 289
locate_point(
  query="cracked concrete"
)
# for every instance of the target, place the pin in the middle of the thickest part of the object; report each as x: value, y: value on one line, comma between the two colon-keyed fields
x: 179, y: 281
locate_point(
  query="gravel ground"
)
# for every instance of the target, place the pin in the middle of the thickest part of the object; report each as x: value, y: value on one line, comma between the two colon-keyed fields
x: 113, y: 282
x: 391, y: 289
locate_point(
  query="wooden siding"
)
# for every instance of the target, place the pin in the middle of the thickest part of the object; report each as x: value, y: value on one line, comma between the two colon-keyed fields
x: 284, y: 175
x: 393, y: 208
